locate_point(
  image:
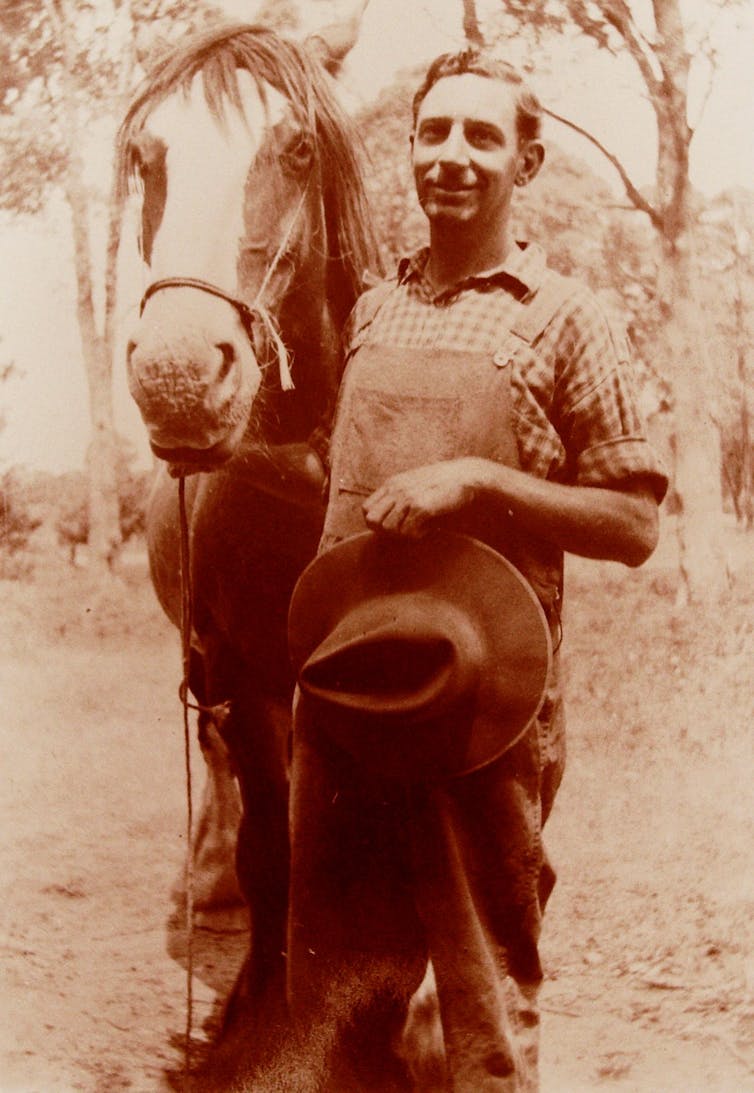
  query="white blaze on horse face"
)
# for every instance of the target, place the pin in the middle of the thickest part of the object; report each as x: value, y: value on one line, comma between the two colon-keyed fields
x: 192, y: 367
x: 207, y: 163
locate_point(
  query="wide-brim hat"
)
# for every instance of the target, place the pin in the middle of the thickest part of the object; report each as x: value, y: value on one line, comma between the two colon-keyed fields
x: 423, y: 658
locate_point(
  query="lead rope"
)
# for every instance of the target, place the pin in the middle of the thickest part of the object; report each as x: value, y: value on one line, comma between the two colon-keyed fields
x: 286, y: 382
x: 186, y: 623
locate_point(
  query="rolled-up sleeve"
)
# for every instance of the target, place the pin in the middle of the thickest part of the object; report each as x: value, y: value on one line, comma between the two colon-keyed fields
x: 595, y: 408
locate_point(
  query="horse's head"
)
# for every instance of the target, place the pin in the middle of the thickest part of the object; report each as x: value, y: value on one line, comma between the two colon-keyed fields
x: 254, y: 235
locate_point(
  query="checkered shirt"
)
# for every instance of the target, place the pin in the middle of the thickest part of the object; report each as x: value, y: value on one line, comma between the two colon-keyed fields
x: 574, y: 409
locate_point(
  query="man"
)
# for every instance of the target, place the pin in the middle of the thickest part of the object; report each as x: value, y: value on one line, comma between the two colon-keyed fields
x: 484, y: 394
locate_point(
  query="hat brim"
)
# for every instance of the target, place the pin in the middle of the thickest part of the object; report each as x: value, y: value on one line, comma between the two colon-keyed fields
x: 453, y: 570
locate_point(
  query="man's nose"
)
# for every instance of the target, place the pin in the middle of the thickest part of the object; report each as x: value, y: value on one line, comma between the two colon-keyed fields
x: 455, y: 149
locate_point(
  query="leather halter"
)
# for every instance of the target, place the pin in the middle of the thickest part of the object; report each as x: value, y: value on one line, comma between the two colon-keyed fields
x: 246, y: 314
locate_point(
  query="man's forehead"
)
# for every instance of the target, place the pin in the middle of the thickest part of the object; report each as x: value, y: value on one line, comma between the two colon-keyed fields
x: 470, y: 95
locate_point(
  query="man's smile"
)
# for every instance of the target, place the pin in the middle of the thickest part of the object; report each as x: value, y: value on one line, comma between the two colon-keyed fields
x: 450, y: 188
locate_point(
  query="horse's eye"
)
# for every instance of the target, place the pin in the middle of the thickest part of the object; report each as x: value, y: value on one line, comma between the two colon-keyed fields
x: 136, y: 158
x: 297, y: 154
x: 147, y: 154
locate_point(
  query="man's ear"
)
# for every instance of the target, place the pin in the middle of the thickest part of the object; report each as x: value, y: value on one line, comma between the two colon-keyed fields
x: 531, y: 158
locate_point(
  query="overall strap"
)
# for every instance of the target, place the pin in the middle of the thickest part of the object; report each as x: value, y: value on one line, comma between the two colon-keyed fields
x: 536, y: 310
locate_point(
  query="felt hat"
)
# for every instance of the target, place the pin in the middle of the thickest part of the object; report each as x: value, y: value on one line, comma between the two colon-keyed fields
x: 423, y: 658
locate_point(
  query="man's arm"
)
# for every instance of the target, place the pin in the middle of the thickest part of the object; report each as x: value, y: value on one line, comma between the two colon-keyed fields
x: 617, y: 524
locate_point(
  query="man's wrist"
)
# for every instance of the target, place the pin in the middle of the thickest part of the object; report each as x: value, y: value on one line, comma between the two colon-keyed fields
x: 487, y: 478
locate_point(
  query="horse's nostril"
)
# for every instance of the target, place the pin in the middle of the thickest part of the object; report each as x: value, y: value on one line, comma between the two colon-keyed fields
x: 229, y: 357
x: 130, y: 350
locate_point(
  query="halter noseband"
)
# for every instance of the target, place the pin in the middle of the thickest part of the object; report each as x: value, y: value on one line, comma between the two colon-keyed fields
x: 245, y: 313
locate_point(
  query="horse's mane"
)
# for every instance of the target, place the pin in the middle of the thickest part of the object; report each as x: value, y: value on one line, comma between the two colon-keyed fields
x: 218, y: 54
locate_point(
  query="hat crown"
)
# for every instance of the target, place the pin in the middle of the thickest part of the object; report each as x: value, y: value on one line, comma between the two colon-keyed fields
x: 419, y: 659
x: 398, y: 657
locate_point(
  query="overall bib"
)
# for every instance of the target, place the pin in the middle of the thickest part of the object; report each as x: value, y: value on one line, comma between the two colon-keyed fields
x: 386, y: 875
x: 404, y: 408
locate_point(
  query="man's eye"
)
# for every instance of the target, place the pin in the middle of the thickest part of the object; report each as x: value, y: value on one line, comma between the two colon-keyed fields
x: 483, y: 138
x: 433, y: 133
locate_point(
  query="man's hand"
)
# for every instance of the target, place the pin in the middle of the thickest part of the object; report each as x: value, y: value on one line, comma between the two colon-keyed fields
x: 407, y: 503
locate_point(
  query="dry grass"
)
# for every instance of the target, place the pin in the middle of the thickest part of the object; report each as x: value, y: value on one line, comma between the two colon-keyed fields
x: 648, y: 940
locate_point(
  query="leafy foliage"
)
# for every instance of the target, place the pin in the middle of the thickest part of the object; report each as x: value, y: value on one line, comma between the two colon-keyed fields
x: 282, y: 16
x: 17, y: 521
x: 68, y: 68
x: 72, y: 519
x: 107, y: 41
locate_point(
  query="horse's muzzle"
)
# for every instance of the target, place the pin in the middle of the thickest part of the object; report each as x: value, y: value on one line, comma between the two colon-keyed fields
x: 194, y: 377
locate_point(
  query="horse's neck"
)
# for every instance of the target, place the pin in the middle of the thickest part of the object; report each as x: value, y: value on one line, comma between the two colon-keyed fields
x: 312, y: 337
x: 310, y: 319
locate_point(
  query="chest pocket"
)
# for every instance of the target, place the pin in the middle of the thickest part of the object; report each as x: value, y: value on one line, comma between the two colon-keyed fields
x: 404, y: 408
x: 387, y: 433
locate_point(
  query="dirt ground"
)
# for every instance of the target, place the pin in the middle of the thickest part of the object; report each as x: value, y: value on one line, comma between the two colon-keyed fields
x: 648, y: 940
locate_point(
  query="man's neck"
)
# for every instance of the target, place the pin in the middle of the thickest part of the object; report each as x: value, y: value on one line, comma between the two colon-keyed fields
x: 454, y: 255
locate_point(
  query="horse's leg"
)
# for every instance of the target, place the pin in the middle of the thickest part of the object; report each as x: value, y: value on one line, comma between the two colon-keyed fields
x: 213, y: 850
x: 215, y: 885
x: 254, y: 1024
x: 259, y: 748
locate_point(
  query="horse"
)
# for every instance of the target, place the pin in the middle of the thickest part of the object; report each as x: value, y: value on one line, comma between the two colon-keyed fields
x: 255, y: 239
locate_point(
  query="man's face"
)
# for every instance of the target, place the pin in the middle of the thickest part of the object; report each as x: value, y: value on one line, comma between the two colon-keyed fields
x: 466, y: 151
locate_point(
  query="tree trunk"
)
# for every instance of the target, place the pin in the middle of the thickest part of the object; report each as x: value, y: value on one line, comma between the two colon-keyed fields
x: 471, y: 29
x: 698, y: 458
x: 117, y: 198
x: 744, y: 501
x: 104, y: 529
x: 697, y: 455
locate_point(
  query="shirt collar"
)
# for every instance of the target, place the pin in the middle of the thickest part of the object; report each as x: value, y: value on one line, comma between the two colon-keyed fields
x: 522, y: 270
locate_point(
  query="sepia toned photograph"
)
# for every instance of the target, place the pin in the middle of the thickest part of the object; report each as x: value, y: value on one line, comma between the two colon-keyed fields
x: 377, y: 546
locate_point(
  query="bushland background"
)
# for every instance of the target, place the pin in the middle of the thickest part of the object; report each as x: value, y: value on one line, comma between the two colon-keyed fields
x: 648, y: 943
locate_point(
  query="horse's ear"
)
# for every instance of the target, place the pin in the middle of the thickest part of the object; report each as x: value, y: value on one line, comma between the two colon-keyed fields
x: 331, y: 45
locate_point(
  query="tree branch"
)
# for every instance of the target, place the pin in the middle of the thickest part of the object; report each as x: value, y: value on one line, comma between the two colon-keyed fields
x: 635, y: 195
x: 471, y: 29
x: 618, y: 15
x: 709, y: 84
x: 707, y: 49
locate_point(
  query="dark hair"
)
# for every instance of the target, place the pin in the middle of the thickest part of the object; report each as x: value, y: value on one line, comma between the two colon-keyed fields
x: 478, y: 63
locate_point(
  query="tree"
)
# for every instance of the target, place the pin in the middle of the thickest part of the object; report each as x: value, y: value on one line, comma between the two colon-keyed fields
x: 727, y: 225
x: 64, y: 64
x: 18, y: 521
x: 658, y: 43
x: 72, y: 517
